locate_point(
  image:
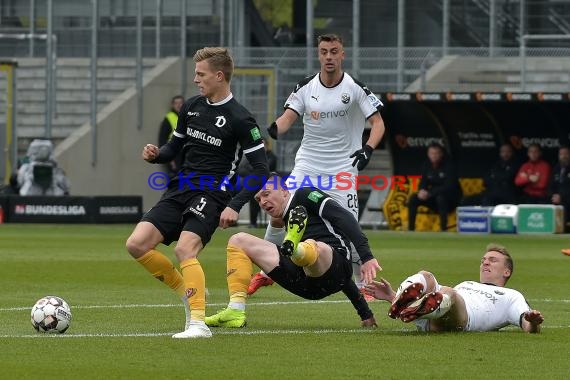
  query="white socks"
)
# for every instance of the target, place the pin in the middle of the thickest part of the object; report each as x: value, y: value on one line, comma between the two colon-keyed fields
x: 443, y: 308
x: 186, y: 310
x: 236, y: 305
x: 274, y: 235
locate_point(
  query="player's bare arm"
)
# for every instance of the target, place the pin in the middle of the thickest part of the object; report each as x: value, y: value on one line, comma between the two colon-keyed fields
x: 377, y: 130
x: 283, y: 123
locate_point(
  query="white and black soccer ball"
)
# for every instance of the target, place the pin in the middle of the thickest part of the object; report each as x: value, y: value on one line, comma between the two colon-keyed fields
x: 51, y: 314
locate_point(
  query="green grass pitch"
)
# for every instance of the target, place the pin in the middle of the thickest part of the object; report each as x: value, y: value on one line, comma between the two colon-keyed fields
x: 123, y: 318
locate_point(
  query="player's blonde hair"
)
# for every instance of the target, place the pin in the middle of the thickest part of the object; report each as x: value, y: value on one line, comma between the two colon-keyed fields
x: 503, y: 251
x: 218, y: 58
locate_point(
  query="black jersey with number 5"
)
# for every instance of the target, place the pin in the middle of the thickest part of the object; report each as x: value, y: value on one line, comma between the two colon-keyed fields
x: 215, y: 134
x: 213, y: 137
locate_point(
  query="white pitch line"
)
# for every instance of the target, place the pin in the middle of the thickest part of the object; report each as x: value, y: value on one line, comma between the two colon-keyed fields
x: 131, y: 306
x: 250, y: 304
x: 235, y: 332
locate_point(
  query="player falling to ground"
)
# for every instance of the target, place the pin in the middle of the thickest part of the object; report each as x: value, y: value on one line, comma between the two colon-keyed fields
x: 334, y: 108
x: 213, y: 130
x: 314, y: 260
x: 470, y: 306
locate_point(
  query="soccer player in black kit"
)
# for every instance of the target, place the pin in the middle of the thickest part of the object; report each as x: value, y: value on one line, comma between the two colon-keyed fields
x: 213, y: 131
x: 314, y: 260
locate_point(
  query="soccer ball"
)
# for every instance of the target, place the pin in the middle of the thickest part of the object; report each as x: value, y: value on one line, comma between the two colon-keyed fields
x: 51, y: 314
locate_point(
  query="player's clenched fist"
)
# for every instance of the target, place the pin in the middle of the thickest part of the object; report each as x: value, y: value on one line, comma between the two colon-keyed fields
x: 150, y: 152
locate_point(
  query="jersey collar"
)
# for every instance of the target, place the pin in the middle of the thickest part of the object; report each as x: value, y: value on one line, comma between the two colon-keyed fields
x: 223, y: 101
x: 334, y: 85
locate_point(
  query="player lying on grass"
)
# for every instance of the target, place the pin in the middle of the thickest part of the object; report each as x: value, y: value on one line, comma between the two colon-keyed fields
x: 470, y: 306
x: 314, y: 260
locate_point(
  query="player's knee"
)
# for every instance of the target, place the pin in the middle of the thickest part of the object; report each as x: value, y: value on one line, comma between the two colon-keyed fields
x: 430, y: 281
x: 136, y: 247
x: 239, y: 239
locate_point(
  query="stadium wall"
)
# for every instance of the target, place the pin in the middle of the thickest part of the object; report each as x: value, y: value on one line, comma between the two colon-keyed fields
x: 119, y: 168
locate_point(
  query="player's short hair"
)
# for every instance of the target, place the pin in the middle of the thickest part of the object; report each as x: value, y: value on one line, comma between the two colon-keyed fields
x: 329, y: 38
x: 503, y: 251
x: 219, y: 59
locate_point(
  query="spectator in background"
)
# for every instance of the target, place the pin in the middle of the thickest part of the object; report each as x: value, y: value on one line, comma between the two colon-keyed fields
x: 559, y: 188
x: 439, y: 187
x: 499, y: 181
x: 167, y: 127
x: 246, y: 169
x: 41, y: 175
x: 533, y: 177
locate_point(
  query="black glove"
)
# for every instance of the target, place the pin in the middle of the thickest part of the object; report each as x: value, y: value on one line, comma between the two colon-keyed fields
x: 362, y: 156
x: 272, y: 130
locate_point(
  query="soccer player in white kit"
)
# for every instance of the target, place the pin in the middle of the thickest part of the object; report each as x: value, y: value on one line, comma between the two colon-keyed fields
x: 334, y: 107
x: 470, y: 306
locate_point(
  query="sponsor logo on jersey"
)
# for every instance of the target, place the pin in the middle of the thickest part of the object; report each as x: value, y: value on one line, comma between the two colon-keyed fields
x: 316, y: 115
x: 204, y: 137
x: 315, y: 196
x: 315, y: 97
x: 220, y: 121
x: 487, y: 295
x: 345, y: 98
x: 193, y: 114
x: 255, y: 134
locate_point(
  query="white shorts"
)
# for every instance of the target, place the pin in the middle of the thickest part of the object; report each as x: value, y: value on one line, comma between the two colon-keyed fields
x: 476, y: 308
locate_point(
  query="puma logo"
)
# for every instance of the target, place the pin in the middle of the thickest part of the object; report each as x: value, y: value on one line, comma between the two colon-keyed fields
x: 230, y: 271
x: 315, y: 97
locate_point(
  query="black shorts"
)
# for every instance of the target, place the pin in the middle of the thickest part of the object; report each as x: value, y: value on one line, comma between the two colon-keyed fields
x: 197, y: 211
x: 294, y: 279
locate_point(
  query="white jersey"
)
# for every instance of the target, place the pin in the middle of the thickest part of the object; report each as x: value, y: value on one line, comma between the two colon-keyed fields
x: 333, y: 119
x: 491, y: 307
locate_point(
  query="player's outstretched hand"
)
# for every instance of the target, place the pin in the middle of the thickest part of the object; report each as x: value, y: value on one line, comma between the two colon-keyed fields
x: 228, y: 217
x: 534, y: 317
x: 381, y: 290
x: 362, y: 157
x: 150, y: 152
x: 368, y: 270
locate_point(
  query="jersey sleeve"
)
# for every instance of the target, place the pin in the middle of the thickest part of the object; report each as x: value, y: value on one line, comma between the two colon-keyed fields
x: 517, y: 308
x: 184, y: 114
x: 296, y: 100
x: 368, y: 102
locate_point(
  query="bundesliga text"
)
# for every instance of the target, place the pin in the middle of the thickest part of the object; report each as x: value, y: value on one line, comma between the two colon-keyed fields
x: 340, y: 181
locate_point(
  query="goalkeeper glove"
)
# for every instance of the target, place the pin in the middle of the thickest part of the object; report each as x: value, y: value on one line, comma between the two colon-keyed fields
x: 272, y: 130
x: 362, y: 157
